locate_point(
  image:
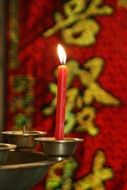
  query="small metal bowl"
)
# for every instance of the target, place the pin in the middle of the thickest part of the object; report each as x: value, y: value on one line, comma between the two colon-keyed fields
x: 4, y: 151
x: 58, y: 149
x: 21, y: 139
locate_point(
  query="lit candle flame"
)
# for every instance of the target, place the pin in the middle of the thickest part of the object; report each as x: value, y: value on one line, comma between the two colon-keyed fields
x: 61, y: 54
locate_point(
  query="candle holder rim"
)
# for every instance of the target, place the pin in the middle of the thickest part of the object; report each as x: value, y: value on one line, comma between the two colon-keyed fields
x: 27, y: 133
x: 28, y: 165
x: 65, y: 140
x: 6, y: 146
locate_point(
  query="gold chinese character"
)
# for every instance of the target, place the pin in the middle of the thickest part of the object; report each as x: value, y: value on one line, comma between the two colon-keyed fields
x: 86, y: 121
x: 78, y: 26
x: 122, y: 3
x: 80, y: 111
x: 99, y: 174
x: 64, y: 178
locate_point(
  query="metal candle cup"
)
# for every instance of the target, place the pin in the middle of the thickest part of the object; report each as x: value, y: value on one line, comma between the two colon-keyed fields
x: 58, y: 149
x: 21, y: 139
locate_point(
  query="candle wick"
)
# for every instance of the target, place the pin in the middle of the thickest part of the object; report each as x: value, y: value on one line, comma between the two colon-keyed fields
x: 63, y: 62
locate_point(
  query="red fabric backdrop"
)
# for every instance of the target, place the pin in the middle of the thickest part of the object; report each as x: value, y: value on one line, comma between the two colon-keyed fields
x: 37, y: 57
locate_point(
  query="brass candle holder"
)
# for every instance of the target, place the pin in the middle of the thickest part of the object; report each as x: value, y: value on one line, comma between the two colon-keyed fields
x: 23, y: 139
x: 58, y: 149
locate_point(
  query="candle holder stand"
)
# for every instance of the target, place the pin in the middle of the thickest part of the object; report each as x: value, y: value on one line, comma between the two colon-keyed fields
x: 58, y: 150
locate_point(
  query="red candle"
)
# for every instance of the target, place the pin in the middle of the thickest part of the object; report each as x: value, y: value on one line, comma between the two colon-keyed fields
x: 61, y: 95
